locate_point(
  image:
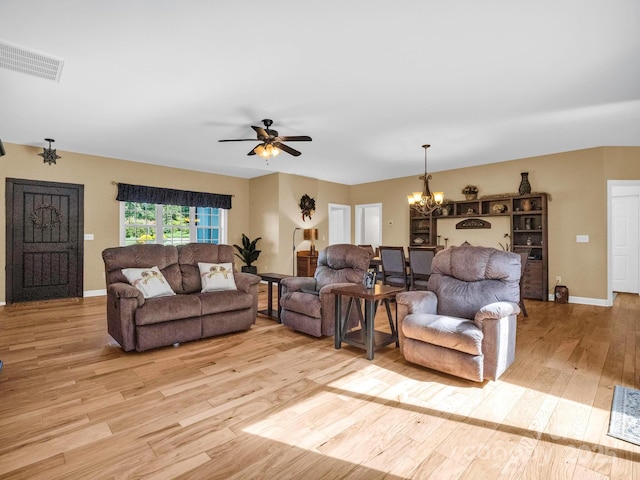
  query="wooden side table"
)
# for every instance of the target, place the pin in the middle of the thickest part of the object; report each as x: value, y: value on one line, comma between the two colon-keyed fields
x: 366, y: 337
x: 306, y: 263
x: 272, y: 278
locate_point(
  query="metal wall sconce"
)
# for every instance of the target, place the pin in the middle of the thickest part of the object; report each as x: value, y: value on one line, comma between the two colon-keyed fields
x: 48, y: 154
x: 3, y: 152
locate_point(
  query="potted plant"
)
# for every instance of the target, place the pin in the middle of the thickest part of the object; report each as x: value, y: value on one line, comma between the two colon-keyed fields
x: 470, y: 192
x: 248, y: 253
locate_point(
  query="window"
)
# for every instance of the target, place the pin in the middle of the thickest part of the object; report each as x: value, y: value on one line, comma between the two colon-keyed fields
x: 171, y: 224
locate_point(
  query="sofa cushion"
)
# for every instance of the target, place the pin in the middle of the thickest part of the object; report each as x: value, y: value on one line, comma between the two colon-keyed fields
x: 149, y: 281
x: 467, y: 278
x: 163, y: 309
x: 448, y: 332
x: 142, y: 256
x: 216, y: 276
x: 190, y: 254
x: 224, y: 301
x: 301, y: 302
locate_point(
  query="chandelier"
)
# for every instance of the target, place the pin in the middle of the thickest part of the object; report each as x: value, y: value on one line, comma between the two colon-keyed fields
x: 425, y: 202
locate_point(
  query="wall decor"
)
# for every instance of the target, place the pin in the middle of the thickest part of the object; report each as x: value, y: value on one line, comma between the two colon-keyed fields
x: 49, y: 154
x: 470, y: 192
x: 525, y: 186
x: 472, y: 223
x: 307, y: 206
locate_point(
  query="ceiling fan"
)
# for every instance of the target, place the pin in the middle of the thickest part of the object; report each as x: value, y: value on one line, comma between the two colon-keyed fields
x: 272, y: 143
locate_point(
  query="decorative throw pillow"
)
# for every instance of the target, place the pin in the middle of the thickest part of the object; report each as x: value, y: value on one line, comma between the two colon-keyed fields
x: 216, y: 276
x: 149, y: 281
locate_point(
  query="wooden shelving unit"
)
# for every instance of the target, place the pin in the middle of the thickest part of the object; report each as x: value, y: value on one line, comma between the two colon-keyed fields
x: 528, y: 219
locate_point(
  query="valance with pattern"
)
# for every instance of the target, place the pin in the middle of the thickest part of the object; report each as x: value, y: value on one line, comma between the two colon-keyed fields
x: 169, y: 196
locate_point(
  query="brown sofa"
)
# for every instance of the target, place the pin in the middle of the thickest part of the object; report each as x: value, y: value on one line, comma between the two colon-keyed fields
x: 140, y: 324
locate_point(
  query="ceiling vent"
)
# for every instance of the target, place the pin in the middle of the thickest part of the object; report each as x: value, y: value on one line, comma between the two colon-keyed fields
x: 20, y: 59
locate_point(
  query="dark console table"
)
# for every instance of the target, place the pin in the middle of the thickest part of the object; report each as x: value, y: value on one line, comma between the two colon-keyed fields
x: 272, y: 278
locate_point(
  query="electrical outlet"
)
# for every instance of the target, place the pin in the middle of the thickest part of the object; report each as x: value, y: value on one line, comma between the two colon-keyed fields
x: 558, y: 279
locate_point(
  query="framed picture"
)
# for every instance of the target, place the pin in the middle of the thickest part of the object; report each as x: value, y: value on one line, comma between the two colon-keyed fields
x: 370, y: 278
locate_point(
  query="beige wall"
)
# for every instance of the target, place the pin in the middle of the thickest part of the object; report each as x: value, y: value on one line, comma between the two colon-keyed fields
x: 268, y: 206
x: 101, y: 210
x: 577, y: 184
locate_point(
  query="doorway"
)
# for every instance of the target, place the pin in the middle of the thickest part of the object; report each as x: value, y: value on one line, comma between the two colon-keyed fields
x: 624, y: 237
x: 339, y: 223
x: 369, y: 224
x: 45, y: 244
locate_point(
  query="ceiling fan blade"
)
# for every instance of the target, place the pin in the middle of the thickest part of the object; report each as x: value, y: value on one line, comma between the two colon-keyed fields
x: 262, y: 133
x: 286, y: 148
x: 239, y: 140
x: 296, y: 138
x: 253, y: 152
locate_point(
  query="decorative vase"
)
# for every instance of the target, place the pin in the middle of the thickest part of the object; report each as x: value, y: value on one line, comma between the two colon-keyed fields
x: 527, y: 205
x: 471, y: 196
x: 525, y: 186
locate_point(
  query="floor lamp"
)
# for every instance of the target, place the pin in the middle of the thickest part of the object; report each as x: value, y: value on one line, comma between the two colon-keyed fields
x: 293, y: 244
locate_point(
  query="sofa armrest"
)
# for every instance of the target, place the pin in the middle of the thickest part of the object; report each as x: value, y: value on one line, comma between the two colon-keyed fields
x: 495, y: 311
x: 122, y: 302
x: 124, y: 290
x: 417, y: 301
x: 244, y: 281
x: 498, y: 324
x: 297, y: 284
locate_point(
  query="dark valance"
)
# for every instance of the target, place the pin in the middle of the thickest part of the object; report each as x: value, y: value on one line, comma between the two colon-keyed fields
x: 169, y: 196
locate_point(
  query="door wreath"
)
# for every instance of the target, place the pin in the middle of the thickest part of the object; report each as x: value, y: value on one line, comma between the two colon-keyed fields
x: 38, y: 217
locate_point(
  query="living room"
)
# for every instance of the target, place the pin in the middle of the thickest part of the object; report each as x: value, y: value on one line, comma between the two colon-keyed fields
x: 497, y: 88
x: 267, y: 206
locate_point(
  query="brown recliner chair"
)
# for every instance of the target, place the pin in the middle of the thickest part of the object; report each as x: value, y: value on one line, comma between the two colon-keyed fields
x: 308, y: 303
x: 465, y: 325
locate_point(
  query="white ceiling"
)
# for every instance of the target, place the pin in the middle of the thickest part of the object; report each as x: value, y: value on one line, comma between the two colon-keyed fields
x: 369, y: 80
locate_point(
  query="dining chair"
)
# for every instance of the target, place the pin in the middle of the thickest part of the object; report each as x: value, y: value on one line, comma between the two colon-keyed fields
x: 420, y: 259
x: 394, y: 267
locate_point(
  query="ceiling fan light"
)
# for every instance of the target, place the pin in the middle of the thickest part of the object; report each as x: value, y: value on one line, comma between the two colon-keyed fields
x: 273, y: 151
x: 266, y: 151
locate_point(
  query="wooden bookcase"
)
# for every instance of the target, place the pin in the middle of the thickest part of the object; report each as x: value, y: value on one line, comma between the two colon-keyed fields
x: 528, y: 220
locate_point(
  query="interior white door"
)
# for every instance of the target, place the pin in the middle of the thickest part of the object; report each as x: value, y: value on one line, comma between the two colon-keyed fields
x: 339, y: 223
x: 625, y: 243
x: 369, y: 224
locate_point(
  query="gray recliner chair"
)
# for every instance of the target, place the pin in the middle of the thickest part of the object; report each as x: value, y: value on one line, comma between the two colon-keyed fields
x: 308, y: 303
x: 465, y: 325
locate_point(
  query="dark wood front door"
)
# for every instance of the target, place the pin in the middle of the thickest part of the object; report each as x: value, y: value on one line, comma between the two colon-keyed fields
x: 45, y: 241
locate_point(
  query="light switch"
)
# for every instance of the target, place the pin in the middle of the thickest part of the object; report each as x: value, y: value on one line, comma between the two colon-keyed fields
x: 582, y: 238
x: 88, y: 236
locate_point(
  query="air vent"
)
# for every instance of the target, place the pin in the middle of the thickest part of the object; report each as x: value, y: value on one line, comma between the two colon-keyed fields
x: 20, y: 59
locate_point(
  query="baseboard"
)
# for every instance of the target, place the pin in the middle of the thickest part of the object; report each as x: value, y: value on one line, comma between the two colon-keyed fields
x: 85, y: 294
x: 94, y: 293
x: 597, y: 302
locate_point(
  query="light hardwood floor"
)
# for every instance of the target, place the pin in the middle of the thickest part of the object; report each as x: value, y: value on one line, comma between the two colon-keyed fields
x: 274, y: 404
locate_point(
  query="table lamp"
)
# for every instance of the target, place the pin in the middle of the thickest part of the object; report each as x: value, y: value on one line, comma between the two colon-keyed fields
x: 311, y: 234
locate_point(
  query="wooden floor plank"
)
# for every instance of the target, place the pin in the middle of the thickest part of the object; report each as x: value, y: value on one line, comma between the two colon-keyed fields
x: 274, y: 403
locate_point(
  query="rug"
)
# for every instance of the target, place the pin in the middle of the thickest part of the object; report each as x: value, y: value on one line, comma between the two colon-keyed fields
x: 625, y: 415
